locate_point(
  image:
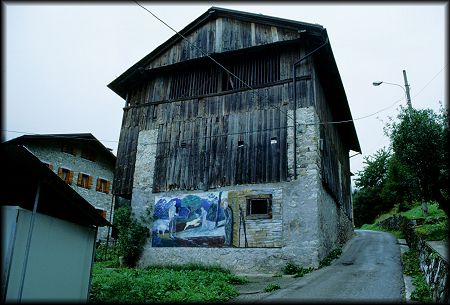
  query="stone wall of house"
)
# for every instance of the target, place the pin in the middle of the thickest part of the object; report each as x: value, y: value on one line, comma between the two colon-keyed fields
x: 99, y: 168
x: 306, y: 223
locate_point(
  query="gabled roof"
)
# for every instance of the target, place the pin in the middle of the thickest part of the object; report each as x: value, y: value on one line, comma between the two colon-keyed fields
x: 22, y: 172
x: 324, y: 60
x: 84, y: 138
x: 212, y: 14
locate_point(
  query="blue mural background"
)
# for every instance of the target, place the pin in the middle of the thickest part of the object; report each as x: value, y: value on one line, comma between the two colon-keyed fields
x: 194, y: 220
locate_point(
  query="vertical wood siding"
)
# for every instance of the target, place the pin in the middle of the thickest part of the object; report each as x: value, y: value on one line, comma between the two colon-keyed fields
x: 226, y: 135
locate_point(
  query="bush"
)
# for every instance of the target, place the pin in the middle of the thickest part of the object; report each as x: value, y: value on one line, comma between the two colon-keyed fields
x: 132, y: 235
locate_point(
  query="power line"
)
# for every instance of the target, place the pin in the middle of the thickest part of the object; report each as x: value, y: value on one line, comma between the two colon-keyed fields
x: 431, y: 80
x: 250, y: 87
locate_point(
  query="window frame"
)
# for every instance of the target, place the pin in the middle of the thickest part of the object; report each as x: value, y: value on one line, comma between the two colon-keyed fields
x: 65, y: 174
x: 252, y: 199
x: 68, y: 149
x: 103, y: 185
x: 88, y: 154
x: 84, y: 183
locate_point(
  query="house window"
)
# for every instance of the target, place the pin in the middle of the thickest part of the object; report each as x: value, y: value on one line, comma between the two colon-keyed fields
x: 101, y: 212
x: 88, y: 154
x: 103, y: 185
x: 68, y: 148
x: 259, y: 206
x: 84, y: 180
x: 65, y: 174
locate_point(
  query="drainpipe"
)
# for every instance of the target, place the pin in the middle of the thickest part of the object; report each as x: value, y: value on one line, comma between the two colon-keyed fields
x: 294, y: 76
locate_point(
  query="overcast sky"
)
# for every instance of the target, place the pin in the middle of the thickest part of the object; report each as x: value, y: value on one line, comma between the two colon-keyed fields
x: 59, y: 58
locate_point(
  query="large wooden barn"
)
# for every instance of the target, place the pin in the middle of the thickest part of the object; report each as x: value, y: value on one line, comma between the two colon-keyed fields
x: 228, y: 142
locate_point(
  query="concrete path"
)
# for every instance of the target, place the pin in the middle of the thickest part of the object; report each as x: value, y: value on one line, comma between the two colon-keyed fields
x: 369, y: 270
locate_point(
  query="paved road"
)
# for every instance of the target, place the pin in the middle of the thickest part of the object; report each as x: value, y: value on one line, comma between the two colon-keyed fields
x: 369, y: 270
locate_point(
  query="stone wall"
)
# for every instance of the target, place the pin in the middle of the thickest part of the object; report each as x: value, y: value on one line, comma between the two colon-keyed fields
x: 435, y: 269
x: 306, y: 223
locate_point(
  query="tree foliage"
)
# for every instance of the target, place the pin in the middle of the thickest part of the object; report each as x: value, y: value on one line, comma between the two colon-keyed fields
x: 414, y: 168
x: 418, y: 143
x: 132, y: 235
x: 367, y: 199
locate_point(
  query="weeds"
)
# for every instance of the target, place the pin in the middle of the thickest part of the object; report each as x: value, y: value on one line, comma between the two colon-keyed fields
x: 297, y: 271
x: 330, y: 257
x: 272, y: 287
x: 191, y: 283
x: 411, y: 267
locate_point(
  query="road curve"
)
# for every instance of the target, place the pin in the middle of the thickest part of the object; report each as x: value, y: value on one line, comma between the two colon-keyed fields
x: 369, y: 270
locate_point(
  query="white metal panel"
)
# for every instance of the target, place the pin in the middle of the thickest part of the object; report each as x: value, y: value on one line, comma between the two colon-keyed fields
x: 59, y: 261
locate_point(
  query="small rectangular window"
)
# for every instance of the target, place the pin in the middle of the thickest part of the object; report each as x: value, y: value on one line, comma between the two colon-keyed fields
x: 68, y: 148
x: 103, y: 185
x: 240, y: 143
x: 101, y: 212
x: 84, y: 180
x: 88, y: 154
x: 273, y: 140
x: 65, y: 174
x: 259, y: 206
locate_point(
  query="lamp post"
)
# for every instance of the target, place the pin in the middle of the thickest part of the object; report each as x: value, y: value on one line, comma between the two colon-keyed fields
x: 408, y: 98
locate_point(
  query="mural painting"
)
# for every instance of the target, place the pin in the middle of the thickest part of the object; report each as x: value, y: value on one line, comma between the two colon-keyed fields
x: 194, y: 220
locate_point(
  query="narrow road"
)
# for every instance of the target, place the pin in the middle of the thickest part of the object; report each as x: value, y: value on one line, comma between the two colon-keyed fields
x: 369, y: 270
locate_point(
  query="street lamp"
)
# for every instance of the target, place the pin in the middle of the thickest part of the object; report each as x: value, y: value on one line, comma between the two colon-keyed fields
x: 408, y: 98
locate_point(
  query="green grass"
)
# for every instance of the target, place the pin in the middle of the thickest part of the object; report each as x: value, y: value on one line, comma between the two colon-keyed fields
x: 190, y: 283
x: 434, y: 226
x: 416, y: 211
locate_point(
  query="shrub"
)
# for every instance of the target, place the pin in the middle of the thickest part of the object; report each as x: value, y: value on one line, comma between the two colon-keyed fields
x: 132, y: 235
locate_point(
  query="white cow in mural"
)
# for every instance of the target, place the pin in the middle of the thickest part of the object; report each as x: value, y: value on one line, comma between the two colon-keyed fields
x: 160, y: 226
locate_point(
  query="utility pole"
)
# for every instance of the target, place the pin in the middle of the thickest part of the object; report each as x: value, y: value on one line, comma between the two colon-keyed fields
x: 408, y: 98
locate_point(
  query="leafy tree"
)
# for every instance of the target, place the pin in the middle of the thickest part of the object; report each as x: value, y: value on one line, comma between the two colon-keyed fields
x: 367, y: 200
x: 417, y: 141
x: 400, y: 186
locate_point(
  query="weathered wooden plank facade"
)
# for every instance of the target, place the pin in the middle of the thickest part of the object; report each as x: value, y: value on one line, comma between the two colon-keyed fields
x: 218, y: 114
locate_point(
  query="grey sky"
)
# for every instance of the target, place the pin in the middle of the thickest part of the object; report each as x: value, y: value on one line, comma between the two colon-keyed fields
x: 60, y: 57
